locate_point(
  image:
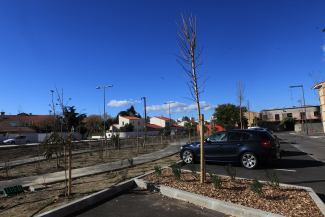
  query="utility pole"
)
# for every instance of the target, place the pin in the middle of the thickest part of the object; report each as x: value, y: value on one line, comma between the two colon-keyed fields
x: 303, y: 96
x: 145, y: 118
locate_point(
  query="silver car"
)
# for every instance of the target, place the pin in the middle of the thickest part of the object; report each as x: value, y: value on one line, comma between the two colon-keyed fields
x: 15, y: 140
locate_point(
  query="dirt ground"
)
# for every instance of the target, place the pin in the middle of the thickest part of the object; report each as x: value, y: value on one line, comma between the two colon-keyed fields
x: 78, y: 161
x: 26, y: 204
x: 286, y: 201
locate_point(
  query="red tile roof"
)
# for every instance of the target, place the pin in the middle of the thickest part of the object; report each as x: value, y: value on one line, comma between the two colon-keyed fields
x: 163, y: 118
x: 35, y: 119
x: 176, y: 125
x: 131, y: 118
x: 154, y: 126
x: 7, y: 128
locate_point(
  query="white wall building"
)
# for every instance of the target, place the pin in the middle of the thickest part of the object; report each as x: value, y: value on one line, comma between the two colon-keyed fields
x: 161, y: 121
x: 138, y: 123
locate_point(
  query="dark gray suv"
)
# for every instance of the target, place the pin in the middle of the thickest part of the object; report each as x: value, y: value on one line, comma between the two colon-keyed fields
x: 248, y: 147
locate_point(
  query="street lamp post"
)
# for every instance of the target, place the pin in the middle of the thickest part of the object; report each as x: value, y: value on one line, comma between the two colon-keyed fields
x: 79, y: 122
x: 303, y: 96
x: 104, y: 108
x: 170, y: 117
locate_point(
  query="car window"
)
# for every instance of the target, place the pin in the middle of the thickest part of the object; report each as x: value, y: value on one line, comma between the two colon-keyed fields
x: 234, y: 136
x: 245, y: 137
x: 217, y: 137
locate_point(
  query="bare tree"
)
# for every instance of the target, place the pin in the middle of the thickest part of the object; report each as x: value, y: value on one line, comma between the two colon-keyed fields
x: 189, y: 61
x: 190, y: 58
x: 240, y: 99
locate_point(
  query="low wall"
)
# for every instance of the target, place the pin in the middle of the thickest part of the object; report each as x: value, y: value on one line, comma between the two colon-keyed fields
x: 129, y: 134
x: 34, y: 137
x: 313, y: 127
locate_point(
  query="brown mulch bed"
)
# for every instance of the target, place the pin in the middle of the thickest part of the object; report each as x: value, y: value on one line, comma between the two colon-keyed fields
x: 286, y: 201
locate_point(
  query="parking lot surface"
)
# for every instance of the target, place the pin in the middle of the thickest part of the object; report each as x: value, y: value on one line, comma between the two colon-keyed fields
x: 140, y: 202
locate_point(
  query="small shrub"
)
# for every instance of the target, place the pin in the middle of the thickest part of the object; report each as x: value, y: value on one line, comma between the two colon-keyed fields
x: 231, y: 171
x: 273, y: 179
x: 191, y: 166
x: 257, y: 187
x: 216, y: 180
x: 131, y: 162
x: 176, y: 169
x: 91, y: 153
x: 7, y: 168
x: 92, y: 190
x: 123, y: 174
x: 49, y: 202
x: 165, y: 144
x: 158, y: 170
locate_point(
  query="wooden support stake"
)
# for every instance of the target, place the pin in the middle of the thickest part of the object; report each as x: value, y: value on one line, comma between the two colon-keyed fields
x: 70, y: 156
x: 202, y: 148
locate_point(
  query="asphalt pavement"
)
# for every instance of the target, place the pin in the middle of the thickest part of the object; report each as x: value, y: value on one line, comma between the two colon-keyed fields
x: 138, y: 202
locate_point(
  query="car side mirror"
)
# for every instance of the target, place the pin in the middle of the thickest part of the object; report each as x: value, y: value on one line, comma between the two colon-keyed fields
x: 207, y: 141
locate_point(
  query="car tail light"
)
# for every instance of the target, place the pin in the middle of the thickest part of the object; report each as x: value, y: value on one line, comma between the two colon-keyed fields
x: 266, y: 143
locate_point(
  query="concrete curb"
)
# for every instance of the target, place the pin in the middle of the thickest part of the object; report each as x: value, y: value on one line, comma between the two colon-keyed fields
x: 218, y: 205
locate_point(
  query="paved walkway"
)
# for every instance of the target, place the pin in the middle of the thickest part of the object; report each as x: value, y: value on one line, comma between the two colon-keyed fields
x: 86, y: 171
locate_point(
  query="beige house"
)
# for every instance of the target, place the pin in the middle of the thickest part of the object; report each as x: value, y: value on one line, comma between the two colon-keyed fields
x: 321, y: 92
x: 251, y: 117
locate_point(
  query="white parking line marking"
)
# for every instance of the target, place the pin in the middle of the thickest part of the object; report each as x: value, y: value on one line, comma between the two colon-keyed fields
x: 286, y: 170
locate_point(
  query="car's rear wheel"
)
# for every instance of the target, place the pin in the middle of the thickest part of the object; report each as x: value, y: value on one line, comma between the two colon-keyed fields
x: 12, y: 143
x: 188, y: 157
x: 27, y: 142
x: 249, y: 160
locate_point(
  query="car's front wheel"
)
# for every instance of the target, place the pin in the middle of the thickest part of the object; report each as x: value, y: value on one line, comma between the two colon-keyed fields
x: 12, y: 143
x: 187, y: 156
x: 27, y: 142
x: 249, y: 160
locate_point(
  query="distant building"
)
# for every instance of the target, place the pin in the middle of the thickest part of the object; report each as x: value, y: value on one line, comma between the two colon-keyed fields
x: 162, y: 121
x: 138, y: 123
x: 23, y: 119
x: 274, y: 116
x: 297, y: 113
x: 166, y: 122
x: 321, y: 92
x: 251, y: 117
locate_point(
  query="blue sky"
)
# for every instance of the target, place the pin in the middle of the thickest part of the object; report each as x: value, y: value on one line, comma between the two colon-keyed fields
x: 80, y: 45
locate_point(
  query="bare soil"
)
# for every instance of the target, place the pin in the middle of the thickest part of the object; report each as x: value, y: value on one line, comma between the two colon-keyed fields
x: 80, y: 160
x: 26, y: 204
x: 286, y: 201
